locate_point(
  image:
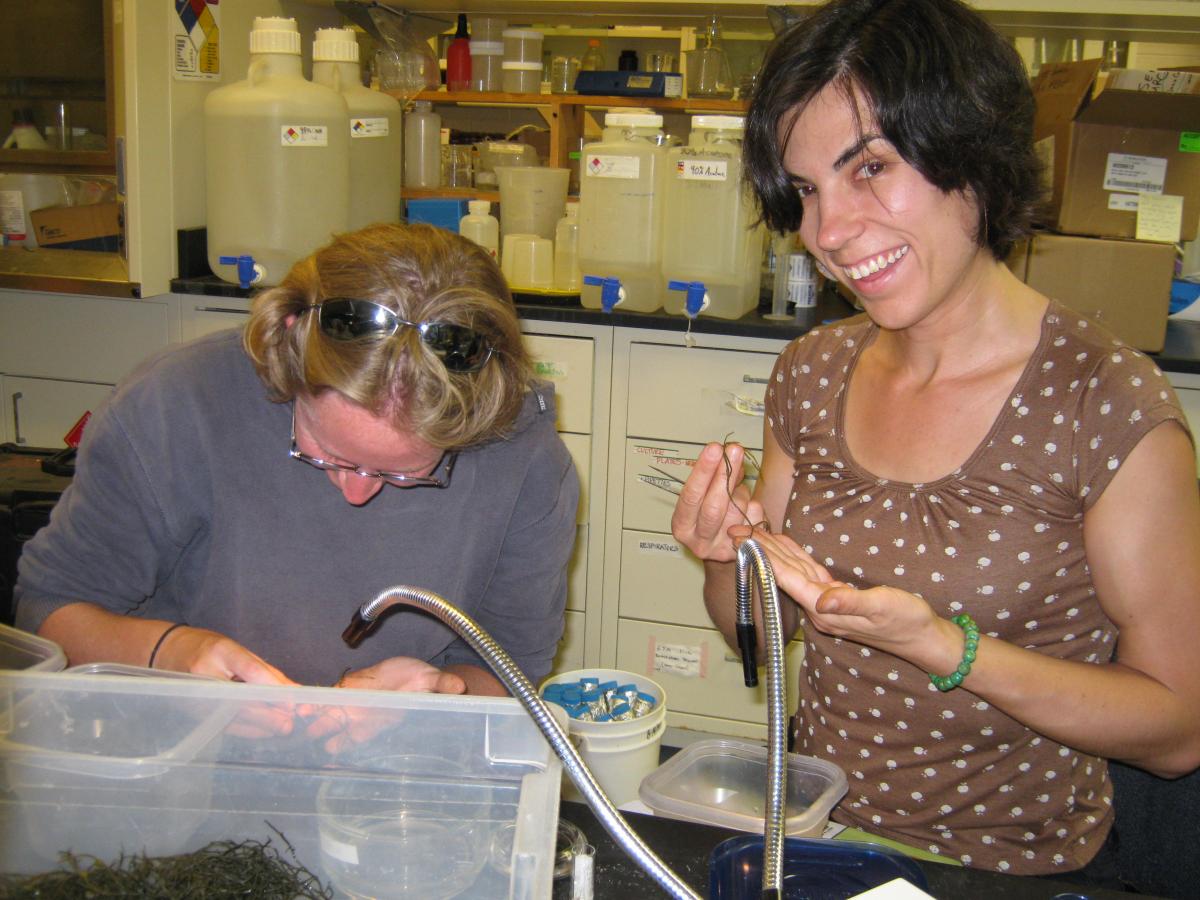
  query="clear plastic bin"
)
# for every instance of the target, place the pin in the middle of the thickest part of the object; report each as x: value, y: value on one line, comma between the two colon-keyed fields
x: 110, y: 764
x: 723, y: 782
x: 22, y: 650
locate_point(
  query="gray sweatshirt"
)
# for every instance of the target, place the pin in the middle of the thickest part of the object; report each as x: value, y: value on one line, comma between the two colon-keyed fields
x: 185, y: 506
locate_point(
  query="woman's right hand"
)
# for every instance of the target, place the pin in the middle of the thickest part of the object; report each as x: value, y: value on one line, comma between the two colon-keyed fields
x: 712, y: 501
x: 203, y: 652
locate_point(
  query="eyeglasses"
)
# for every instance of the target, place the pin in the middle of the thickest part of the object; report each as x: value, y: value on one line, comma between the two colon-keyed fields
x: 400, y: 479
x: 461, y: 349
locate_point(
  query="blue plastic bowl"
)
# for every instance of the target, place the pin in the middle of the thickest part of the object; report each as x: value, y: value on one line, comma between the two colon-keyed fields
x: 813, y: 868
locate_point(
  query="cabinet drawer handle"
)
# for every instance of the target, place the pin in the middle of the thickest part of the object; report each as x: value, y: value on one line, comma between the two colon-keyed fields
x: 222, y: 309
x: 16, y: 403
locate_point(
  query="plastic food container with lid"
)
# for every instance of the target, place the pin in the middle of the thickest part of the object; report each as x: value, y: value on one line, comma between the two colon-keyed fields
x: 22, y: 650
x: 723, y: 782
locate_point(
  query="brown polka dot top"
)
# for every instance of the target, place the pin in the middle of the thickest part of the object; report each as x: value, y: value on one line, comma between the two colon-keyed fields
x: 1000, y: 538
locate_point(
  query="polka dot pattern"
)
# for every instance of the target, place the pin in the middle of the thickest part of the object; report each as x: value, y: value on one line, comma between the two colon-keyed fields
x: 1001, y: 538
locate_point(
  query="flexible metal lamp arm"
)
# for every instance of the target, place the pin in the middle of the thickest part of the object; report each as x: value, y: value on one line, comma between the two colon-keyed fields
x: 366, y: 618
x: 752, y: 559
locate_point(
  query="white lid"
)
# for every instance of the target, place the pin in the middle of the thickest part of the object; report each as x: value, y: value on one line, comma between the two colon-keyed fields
x: 572, y: 208
x: 273, y: 34
x: 515, y: 66
x: 635, y: 119
x: 479, y: 207
x: 522, y: 33
x: 422, y: 106
x: 486, y: 48
x: 719, y: 123
x: 335, y: 45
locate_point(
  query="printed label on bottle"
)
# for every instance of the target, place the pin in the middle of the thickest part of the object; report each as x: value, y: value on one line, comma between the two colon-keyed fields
x: 1127, y: 172
x: 369, y: 127
x: 702, y: 169
x: 12, y: 215
x: 604, y: 166
x: 303, y: 136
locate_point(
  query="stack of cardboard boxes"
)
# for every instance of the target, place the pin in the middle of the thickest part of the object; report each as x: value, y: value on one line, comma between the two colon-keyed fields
x: 1125, y: 169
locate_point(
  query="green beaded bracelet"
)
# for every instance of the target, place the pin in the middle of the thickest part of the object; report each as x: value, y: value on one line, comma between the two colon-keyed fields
x: 955, y: 678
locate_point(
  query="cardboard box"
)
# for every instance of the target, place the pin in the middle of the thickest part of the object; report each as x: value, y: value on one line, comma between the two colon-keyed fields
x: 1123, y: 285
x: 1170, y: 81
x: 93, y: 227
x: 1107, y: 149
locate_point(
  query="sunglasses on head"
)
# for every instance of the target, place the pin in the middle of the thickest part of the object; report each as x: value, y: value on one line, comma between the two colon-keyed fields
x: 461, y: 349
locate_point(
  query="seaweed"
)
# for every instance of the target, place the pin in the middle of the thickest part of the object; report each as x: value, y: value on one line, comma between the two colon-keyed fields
x: 218, y: 871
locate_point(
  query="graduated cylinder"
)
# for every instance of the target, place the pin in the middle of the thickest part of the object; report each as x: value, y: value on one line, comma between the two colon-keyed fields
x: 620, y: 214
x: 277, y: 167
x: 711, y: 245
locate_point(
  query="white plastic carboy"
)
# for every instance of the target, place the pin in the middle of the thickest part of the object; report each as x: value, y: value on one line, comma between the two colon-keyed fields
x: 711, y: 245
x: 620, y: 214
x: 277, y: 166
x: 376, y: 136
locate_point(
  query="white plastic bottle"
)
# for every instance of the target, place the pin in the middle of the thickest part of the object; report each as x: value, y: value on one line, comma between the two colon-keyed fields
x: 422, y: 146
x: 620, y: 214
x: 712, y: 248
x: 481, y: 226
x: 566, y: 250
x: 277, y: 162
x: 376, y: 138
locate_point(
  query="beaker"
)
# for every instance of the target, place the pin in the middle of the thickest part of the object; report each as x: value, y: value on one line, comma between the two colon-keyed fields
x: 708, y: 73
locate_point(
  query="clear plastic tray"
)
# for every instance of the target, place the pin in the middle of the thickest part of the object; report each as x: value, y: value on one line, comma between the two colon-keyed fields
x: 723, y: 782
x: 104, y: 764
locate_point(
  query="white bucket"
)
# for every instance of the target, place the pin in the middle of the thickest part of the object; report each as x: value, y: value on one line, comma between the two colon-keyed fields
x: 619, y: 754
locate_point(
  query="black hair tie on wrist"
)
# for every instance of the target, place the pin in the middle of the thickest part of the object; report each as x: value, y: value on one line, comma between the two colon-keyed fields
x: 162, y: 637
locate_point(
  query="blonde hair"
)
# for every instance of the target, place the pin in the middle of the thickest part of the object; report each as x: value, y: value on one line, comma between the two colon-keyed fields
x: 423, y: 274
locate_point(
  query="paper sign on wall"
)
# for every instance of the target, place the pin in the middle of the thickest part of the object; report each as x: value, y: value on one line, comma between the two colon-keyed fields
x: 196, y: 41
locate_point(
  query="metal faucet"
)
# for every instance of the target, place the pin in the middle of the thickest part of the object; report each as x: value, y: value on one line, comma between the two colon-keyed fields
x: 366, y: 617
x: 751, y: 558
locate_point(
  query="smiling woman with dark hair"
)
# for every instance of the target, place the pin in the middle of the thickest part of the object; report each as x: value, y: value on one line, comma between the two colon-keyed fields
x: 983, y: 505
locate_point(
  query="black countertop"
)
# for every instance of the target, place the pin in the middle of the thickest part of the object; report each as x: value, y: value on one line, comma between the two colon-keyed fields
x: 1181, y: 352
x: 684, y: 847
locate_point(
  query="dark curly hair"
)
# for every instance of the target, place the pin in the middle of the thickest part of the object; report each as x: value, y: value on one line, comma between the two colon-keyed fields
x: 945, y: 89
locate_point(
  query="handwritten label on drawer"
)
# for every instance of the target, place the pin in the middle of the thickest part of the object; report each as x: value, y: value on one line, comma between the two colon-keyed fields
x: 550, y: 368
x: 684, y: 660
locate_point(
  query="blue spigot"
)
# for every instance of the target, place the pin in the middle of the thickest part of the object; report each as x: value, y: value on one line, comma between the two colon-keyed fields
x: 247, y: 271
x: 697, y: 296
x: 611, y: 292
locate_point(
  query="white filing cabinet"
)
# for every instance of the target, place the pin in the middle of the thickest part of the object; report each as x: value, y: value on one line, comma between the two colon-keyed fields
x: 671, y: 400
x: 576, y: 359
x: 60, y: 355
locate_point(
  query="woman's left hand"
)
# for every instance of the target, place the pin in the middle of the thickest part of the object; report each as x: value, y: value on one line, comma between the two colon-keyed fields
x: 883, y: 617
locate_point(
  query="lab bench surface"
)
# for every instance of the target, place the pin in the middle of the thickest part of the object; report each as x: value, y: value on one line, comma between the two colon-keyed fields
x: 685, y: 846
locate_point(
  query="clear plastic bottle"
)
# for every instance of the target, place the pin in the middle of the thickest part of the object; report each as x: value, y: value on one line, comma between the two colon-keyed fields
x: 480, y: 226
x: 711, y: 245
x: 422, y: 146
x: 593, y: 57
x: 376, y: 138
x: 566, y: 250
x: 620, y: 214
x: 458, y: 58
x: 277, y: 161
